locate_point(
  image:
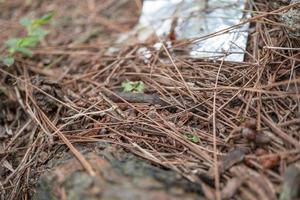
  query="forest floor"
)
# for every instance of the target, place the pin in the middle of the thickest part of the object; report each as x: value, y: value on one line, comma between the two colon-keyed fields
x: 201, y: 128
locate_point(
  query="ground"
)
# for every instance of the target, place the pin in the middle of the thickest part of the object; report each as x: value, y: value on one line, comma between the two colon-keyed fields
x: 201, y: 129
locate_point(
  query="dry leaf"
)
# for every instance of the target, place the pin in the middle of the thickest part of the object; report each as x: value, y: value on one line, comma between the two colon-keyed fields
x: 270, y: 161
x: 232, y: 158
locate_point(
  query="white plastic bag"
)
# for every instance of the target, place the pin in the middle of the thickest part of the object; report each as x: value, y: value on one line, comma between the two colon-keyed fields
x: 197, y: 19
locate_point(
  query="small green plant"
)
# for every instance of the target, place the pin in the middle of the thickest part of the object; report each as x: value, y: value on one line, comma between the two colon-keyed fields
x: 35, y: 33
x: 133, y: 86
x: 193, y: 138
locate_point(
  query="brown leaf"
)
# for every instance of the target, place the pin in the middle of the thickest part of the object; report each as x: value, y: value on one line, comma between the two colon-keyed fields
x: 270, y: 161
x: 232, y: 158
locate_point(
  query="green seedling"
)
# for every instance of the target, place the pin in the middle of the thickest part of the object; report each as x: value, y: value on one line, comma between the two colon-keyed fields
x: 133, y: 86
x: 34, y: 34
x: 193, y: 138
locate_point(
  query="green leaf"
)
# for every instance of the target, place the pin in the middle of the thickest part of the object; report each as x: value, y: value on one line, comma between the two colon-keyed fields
x: 127, y: 86
x: 193, y: 138
x: 38, y: 33
x: 28, y: 42
x: 25, y: 51
x: 44, y: 19
x: 13, y: 42
x: 9, y: 61
x: 133, y: 86
x: 12, y: 50
x: 140, y: 86
x: 26, y: 22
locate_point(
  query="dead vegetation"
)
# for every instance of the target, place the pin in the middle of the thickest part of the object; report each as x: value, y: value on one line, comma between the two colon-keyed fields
x: 232, y: 128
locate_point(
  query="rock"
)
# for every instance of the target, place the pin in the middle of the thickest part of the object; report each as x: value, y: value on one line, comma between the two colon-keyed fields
x: 120, y: 176
x: 291, y: 19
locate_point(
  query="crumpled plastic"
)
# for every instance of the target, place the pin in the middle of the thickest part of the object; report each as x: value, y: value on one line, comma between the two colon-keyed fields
x: 192, y: 19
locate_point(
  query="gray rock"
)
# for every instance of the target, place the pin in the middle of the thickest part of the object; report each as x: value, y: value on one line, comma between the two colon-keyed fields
x: 291, y: 19
x: 120, y: 176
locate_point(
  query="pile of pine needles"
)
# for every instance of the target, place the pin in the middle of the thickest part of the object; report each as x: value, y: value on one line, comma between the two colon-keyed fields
x: 231, y: 127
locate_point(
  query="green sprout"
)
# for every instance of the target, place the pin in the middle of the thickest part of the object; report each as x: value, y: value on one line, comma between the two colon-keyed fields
x: 35, y: 33
x: 192, y: 138
x: 133, y: 86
